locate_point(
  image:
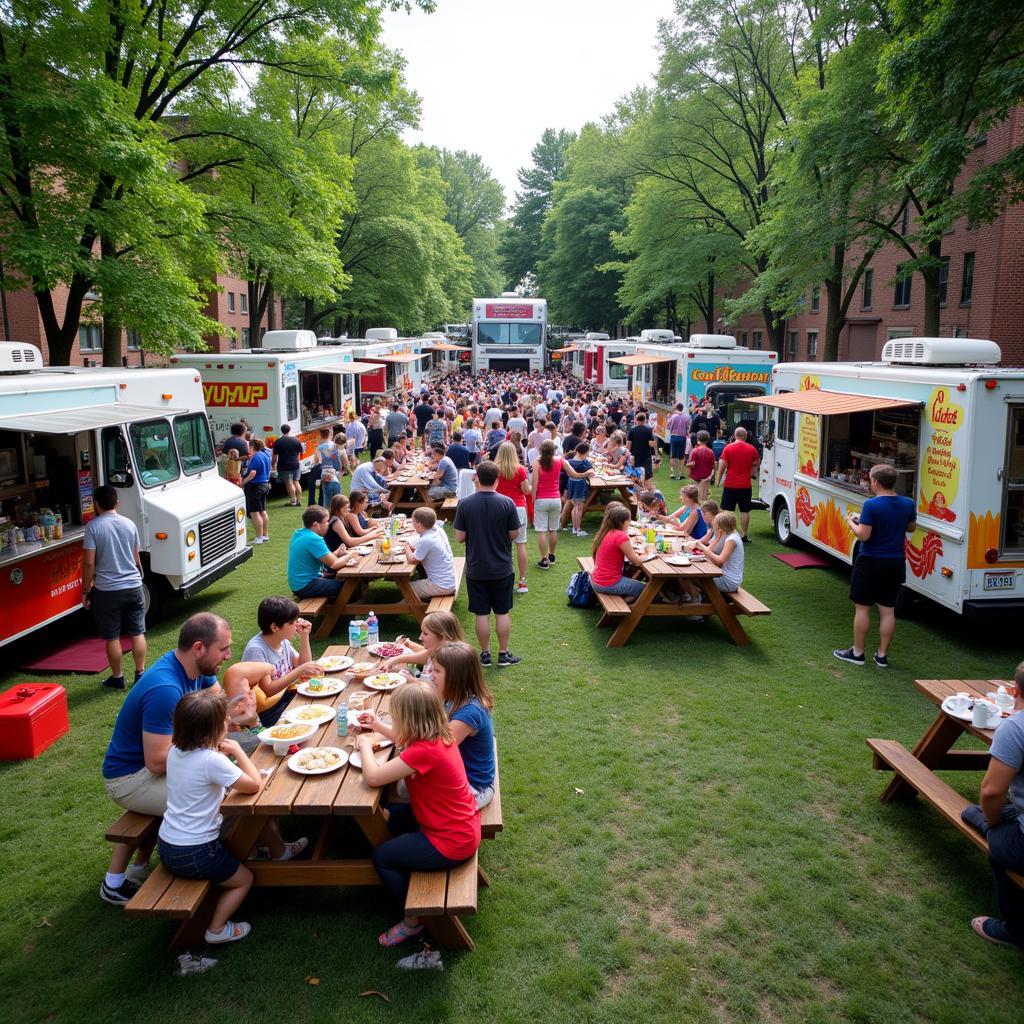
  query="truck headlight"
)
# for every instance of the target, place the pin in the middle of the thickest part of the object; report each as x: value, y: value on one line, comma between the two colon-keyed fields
x: 190, y: 538
x: 240, y: 515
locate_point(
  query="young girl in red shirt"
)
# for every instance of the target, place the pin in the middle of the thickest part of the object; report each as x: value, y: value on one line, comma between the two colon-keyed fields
x: 440, y: 826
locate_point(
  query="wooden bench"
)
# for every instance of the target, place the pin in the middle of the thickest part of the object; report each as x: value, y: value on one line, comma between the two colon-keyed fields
x: 447, y: 601
x: 446, y: 510
x: 133, y: 829
x: 612, y: 604
x: 746, y: 603
x: 946, y: 800
x: 164, y: 895
x: 313, y: 606
x: 440, y: 897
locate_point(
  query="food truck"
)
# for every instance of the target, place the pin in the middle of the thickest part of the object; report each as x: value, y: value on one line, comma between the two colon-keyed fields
x: 711, y: 366
x: 592, y: 359
x: 289, y: 380
x: 951, y: 423
x: 66, y: 430
x: 396, y: 364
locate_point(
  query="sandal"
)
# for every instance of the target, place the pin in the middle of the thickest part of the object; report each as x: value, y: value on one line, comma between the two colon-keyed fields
x: 233, y: 931
x: 398, y: 933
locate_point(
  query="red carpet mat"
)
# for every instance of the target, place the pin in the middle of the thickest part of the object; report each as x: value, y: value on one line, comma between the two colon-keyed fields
x: 86, y: 655
x: 803, y: 560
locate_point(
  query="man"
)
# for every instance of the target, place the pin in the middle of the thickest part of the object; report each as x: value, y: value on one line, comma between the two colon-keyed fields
x: 487, y: 523
x: 678, y: 428
x: 287, y: 454
x: 308, y: 556
x: 112, y: 583
x: 445, y: 481
x: 493, y: 418
x: 423, y: 413
x: 395, y: 425
x: 236, y: 442
x: 880, y: 568
x: 436, y: 430
x: 517, y: 421
x: 135, y: 766
x: 1000, y: 819
x: 700, y: 421
x: 433, y: 552
x: 738, y: 468
x: 369, y: 477
x: 458, y: 452
x: 642, y: 445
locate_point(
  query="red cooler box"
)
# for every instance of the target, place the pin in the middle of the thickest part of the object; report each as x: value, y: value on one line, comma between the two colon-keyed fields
x: 32, y: 717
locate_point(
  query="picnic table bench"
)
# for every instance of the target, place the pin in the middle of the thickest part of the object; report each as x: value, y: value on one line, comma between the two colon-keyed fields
x: 445, y: 602
x: 914, y: 770
x: 342, y: 793
x: 625, y: 617
x: 448, y: 508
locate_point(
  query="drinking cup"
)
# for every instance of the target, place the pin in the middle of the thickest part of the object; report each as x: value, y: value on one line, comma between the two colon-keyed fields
x: 281, y: 747
x: 1004, y: 701
x: 982, y: 713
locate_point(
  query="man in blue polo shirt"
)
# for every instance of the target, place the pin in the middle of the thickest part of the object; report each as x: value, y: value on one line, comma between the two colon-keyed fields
x: 135, y: 767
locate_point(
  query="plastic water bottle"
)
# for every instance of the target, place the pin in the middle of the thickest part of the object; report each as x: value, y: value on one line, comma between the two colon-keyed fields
x: 659, y: 542
x: 353, y: 633
x: 343, y: 717
x: 364, y: 633
x: 372, y: 630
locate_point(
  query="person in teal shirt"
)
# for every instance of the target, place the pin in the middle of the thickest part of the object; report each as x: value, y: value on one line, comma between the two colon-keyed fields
x: 308, y: 556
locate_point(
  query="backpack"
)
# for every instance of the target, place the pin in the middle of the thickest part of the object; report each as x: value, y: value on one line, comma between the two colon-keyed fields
x: 580, y: 592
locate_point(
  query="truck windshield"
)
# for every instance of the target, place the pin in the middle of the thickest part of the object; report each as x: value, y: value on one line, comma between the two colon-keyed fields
x: 192, y: 436
x: 154, y: 452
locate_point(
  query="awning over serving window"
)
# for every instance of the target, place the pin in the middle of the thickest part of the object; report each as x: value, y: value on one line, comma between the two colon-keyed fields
x: 444, y: 346
x: 339, y: 368
x: 642, y: 360
x: 405, y: 357
x: 92, y: 417
x: 568, y: 348
x: 828, y: 403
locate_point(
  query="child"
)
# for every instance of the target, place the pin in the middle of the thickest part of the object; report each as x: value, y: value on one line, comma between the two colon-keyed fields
x: 233, y: 469
x: 702, y: 464
x: 440, y: 827
x: 652, y: 503
x: 330, y: 485
x: 436, y: 629
x: 687, y: 517
x: 279, y: 622
x: 577, y: 491
x: 635, y: 473
x: 198, y: 775
x: 726, y: 552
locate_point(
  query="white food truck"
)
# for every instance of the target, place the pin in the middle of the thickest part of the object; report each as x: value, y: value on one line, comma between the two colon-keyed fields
x: 707, y: 366
x: 289, y: 380
x: 592, y: 359
x: 951, y: 423
x: 66, y: 430
x: 394, y: 363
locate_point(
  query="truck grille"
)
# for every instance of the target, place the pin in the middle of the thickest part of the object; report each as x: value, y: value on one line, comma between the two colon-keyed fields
x: 216, y: 537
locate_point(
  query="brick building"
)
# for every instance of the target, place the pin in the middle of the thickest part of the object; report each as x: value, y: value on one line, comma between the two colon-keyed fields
x: 983, y: 276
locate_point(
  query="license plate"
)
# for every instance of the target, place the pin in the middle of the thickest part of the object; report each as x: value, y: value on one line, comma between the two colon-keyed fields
x: 999, y: 580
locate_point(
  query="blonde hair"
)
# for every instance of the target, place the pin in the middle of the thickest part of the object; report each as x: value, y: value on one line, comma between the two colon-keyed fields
x: 725, y: 522
x: 443, y: 625
x: 418, y: 714
x: 507, y: 460
x: 426, y: 517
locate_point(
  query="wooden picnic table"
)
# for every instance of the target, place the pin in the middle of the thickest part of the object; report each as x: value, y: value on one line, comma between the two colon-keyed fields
x: 602, y: 490
x: 412, y: 492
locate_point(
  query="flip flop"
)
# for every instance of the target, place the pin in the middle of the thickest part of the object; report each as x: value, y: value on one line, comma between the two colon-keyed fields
x: 398, y: 933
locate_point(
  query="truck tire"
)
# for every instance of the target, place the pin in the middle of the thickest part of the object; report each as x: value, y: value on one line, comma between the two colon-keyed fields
x: 154, y: 591
x: 783, y: 525
x: 906, y: 601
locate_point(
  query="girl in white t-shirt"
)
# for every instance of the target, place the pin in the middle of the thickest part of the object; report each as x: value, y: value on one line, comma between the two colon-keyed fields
x: 199, y: 773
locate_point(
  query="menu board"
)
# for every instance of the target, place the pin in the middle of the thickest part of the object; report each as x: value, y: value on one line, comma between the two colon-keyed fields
x: 85, y: 495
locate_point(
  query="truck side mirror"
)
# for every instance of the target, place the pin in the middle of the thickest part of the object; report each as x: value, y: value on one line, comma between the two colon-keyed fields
x: 124, y: 479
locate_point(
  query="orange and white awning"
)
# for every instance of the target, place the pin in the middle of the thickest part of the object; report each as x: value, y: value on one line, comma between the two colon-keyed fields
x: 404, y: 358
x: 444, y: 346
x: 562, y: 351
x: 642, y: 360
x: 828, y: 403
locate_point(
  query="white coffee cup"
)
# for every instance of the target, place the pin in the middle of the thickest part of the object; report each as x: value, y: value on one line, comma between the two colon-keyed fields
x: 1004, y: 701
x: 983, y: 711
x: 281, y: 747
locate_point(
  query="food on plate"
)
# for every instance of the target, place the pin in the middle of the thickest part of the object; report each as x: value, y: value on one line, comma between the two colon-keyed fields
x: 334, y: 662
x: 309, y: 714
x: 385, y: 680
x: 320, y: 687
x: 288, y: 732
x: 319, y: 757
x: 386, y: 650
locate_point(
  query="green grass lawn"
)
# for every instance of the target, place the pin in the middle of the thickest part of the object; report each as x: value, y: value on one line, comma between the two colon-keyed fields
x: 727, y: 859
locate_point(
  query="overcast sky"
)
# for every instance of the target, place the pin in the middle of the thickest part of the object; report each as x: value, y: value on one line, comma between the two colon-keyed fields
x: 493, y: 74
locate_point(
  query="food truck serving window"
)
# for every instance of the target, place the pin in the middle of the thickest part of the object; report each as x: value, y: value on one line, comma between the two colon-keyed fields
x: 855, y: 442
x: 195, y: 446
x: 154, y: 452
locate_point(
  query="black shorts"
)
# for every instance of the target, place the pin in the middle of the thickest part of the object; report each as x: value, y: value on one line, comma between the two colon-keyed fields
x: 486, y: 596
x: 736, y: 496
x: 118, y: 612
x: 877, y: 580
x: 255, y: 498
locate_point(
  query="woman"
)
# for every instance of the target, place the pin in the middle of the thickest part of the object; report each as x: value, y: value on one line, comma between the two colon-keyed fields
x: 600, y: 440
x: 547, y: 505
x: 337, y: 535
x: 375, y: 432
x: 513, y: 482
x: 355, y: 520
x: 256, y: 486
x: 355, y: 435
x: 611, y: 546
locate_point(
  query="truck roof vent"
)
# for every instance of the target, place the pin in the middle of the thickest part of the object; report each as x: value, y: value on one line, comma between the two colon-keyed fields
x: 658, y: 334
x: 19, y: 357
x: 940, y: 352
x: 596, y: 336
x: 712, y: 341
x: 382, y: 334
x: 287, y: 341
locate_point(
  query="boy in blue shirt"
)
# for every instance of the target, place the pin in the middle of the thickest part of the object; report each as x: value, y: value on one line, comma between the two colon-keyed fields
x: 880, y: 568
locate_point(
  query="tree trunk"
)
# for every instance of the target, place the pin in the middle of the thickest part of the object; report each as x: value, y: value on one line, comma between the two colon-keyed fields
x: 61, y: 337
x: 271, y: 314
x: 308, y: 314
x: 930, y: 274
x: 776, y: 331
x: 710, y: 310
x: 111, y: 325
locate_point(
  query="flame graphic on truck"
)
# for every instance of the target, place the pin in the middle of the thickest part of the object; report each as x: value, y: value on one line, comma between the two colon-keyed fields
x: 922, y: 560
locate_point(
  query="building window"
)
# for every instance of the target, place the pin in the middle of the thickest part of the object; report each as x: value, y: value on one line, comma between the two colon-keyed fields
x: 243, y: 300
x: 968, y: 283
x: 812, y: 344
x: 905, y: 221
x: 903, y: 282
x: 865, y: 295
x: 943, y: 279
x: 245, y: 337
x: 231, y: 302
x: 758, y: 339
x: 961, y: 332
x: 134, y: 341
x: 794, y: 342
x: 90, y: 339
x: 815, y: 299
x: 899, y: 332
x: 743, y: 339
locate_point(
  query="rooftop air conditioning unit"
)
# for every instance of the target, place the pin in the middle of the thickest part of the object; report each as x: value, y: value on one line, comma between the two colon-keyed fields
x: 596, y: 336
x: 287, y: 341
x: 940, y: 352
x: 712, y: 341
x: 657, y: 334
x: 382, y: 334
x: 19, y: 357
x: 435, y: 334
x: 508, y: 295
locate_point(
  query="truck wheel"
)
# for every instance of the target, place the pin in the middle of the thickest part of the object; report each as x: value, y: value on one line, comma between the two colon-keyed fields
x: 906, y: 601
x: 783, y: 526
x: 154, y: 590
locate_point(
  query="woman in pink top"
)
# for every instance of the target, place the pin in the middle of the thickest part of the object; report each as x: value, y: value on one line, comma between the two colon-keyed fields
x: 547, y: 505
x: 611, y: 546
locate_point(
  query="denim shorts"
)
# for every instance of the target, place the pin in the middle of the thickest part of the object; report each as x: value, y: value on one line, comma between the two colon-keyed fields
x: 211, y: 861
x: 294, y: 475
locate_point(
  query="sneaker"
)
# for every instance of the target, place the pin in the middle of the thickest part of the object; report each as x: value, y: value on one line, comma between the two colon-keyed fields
x: 543, y: 564
x: 522, y: 588
x: 292, y: 850
x: 568, y: 529
x: 190, y: 964
x: 121, y: 895
x: 993, y: 930
x: 581, y: 533
x: 848, y: 655
x: 113, y: 683
x: 485, y: 659
x: 138, y: 873
x: 881, y: 660
x: 746, y: 540
x: 506, y: 658
x: 138, y: 676
x: 551, y: 558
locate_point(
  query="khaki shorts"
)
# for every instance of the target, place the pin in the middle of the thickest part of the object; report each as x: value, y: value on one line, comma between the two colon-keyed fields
x: 424, y: 588
x: 546, y: 513
x: 142, y: 792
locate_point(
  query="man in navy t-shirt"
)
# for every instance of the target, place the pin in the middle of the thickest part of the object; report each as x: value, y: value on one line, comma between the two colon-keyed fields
x: 880, y: 568
x: 135, y: 766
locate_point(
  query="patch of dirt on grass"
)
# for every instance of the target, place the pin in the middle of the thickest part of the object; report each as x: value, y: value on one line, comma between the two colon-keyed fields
x: 664, y: 921
x: 826, y: 809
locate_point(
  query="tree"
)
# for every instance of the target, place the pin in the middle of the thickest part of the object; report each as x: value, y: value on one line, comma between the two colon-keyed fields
x: 521, y: 250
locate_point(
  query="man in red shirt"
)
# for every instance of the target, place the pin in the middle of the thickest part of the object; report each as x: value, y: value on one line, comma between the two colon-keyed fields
x: 738, y: 465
